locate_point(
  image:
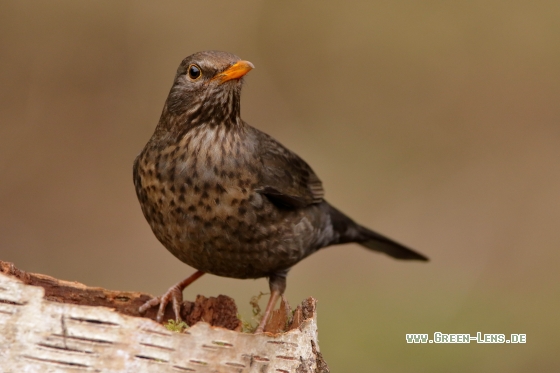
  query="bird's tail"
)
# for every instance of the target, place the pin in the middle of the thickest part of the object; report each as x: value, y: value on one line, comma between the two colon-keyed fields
x: 349, y: 231
x: 375, y: 241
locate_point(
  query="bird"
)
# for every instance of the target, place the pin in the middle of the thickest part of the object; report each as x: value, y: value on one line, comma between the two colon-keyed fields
x: 226, y: 198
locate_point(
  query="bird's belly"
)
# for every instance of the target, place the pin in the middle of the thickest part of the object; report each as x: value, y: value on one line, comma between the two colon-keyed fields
x: 233, y: 234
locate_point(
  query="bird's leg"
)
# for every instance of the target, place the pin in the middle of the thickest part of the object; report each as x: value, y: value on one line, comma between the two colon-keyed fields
x: 174, y: 294
x: 277, y: 283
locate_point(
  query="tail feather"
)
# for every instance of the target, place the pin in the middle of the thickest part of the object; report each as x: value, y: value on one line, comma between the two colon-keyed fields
x: 375, y: 241
x: 349, y: 231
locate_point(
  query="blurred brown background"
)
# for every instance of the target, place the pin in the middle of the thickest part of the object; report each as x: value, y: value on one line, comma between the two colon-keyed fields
x: 437, y: 123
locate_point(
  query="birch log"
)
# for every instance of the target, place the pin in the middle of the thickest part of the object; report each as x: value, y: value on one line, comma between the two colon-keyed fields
x: 49, y: 325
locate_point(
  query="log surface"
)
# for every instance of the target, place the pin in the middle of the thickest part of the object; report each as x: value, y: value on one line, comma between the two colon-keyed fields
x: 50, y: 325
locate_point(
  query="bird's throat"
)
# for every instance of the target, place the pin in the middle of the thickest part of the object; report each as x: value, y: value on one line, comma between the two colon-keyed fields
x: 221, y: 109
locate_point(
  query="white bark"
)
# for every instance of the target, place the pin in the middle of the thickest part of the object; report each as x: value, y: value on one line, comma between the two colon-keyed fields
x: 37, y: 335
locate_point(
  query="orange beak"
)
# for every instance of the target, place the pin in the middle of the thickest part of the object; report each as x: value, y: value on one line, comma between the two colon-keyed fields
x: 235, y: 71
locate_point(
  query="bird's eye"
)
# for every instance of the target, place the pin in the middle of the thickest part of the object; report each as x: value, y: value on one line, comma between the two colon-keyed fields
x: 194, y: 72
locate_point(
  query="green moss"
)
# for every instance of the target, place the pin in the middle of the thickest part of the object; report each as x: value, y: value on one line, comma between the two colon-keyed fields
x: 177, y: 327
x: 246, y: 326
x: 251, y: 326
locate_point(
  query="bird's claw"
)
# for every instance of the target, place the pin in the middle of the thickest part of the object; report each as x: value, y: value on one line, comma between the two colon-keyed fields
x: 173, y: 294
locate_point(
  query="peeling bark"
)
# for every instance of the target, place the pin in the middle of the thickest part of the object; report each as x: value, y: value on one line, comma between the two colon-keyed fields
x: 51, y: 325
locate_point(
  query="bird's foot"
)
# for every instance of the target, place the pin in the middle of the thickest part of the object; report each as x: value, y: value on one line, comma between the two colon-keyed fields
x: 173, y: 294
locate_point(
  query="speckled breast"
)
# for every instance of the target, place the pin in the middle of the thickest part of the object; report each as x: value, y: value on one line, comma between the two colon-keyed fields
x: 198, y: 197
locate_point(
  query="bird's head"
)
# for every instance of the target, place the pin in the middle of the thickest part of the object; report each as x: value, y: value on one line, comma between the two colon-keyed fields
x: 207, y: 89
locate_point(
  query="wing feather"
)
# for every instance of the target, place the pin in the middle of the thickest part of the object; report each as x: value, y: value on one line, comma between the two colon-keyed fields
x: 285, y: 177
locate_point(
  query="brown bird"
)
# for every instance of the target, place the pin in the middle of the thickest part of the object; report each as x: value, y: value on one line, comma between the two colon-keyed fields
x: 228, y: 199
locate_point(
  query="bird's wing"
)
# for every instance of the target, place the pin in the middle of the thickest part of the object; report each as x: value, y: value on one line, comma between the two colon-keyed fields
x: 285, y: 178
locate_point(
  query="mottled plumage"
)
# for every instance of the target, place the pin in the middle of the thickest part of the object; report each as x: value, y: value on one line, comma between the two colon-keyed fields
x: 228, y: 199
